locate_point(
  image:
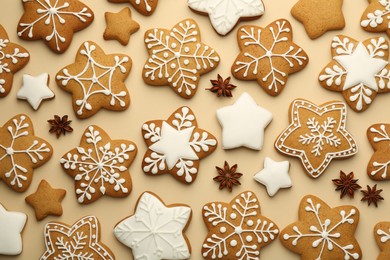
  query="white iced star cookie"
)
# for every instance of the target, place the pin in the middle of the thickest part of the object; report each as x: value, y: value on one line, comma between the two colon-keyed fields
x: 156, y: 231
x: 35, y: 89
x: 274, y: 176
x: 226, y: 14
x: 243, y: 123
x: 11, y: 226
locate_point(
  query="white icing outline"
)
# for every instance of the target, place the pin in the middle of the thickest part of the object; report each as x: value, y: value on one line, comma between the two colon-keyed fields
x: 35, y: 89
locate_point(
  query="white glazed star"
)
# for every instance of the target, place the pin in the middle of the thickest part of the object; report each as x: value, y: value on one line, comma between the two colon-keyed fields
x: 35, y: 89
x: 243, y: 123
x: 11, y: 225
x: 274, y: 176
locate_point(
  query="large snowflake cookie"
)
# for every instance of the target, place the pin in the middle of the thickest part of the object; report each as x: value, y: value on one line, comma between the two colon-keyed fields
x: 176, y: 145
x: 156, y: 231
x: 53, y: 21
x: 317, y: 135
x: 96, y: 80
x: 145, y: 7
x: 376, y: 18
x: 80, y: 241
x: 379, y: 166
x: 21, y: 152
x: 178, y: 58
x: 382, y: 238
x: 237, y: 230
x: 322, y: 232
x: 268, y: 55
x: 359, y: 70
x: 226, y: 14
x: 100, y: 166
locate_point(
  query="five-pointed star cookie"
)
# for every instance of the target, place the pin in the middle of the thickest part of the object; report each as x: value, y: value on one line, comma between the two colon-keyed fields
x: 379, y: 166
x: 178, y: 58
x: 80, y: 241
x: 359, y: 70
x: 46, y: 200
x: 317, y: 135
x: 13, y: 58
x: 176, y: 146
x: 382, y: 238
x: 376, y: 17
x: 226, y: 14
x: 119, y: 26
x: 144, y: 7
x: 100, y: 166
x: 21, y: 152
x: 322, y: 232
x: 156, y: 231
x: 268, y: 55
x: 274, y: 176
x: 11, y: 226
x: 319, y: 16
x: 243, y: 123
x: 53, y: 21
x: 96, y: 80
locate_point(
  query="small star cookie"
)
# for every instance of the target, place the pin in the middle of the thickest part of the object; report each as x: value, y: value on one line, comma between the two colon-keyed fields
x: 378, y: 168
x: 382, y: 238
x: 376, y: 17
x: 144, y: 7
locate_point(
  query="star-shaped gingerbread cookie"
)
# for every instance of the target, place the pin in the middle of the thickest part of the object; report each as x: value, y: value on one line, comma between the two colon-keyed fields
x: 376, y: 17
x: 379, y: 166
x: 144, y: 7
x: 382, y: 238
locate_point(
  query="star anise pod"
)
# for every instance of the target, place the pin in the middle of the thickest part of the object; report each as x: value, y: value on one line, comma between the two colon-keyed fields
x: 371, y: 195
x: 227, y: 177
x: 60, y: 125
x: 346, y: 184
x: 222, y: 87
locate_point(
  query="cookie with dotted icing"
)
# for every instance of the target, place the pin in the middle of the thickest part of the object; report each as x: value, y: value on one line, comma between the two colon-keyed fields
x: 144, y: 7
x: 378, y: 167
x: 316, y: 135
x: 382, y: 238
x: 376, y: 17
x: 237, y: 230
x: 178, y: 58
x: 100, y: 166
x: 80, y: 241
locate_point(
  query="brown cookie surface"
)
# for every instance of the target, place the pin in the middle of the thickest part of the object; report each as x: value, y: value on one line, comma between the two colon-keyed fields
x: 382, y: 238
x: 144, y: 7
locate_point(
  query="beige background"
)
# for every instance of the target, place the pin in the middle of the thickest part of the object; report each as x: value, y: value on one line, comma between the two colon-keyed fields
x: 150, y: 103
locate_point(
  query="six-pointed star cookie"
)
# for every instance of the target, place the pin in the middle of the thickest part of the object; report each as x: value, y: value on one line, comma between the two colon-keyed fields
x: 316, y: 135
x: 156, y: 231
x: 11, y: 226
x: 96, y: 80
x: 176, y: 146
x: 268, y: 55
x: 274, y: 176
x: 178, y: 58
x: 319, y: 16
x: 376, y: 17
x: 322, y: 232
x: 145, y: 7
x: 379, y: 166
x: 359, y: 70
x: 226, y: 14
x: 53, y: 21
x: 243, y: 123
x: 382, y: 238
x: 80, y: 241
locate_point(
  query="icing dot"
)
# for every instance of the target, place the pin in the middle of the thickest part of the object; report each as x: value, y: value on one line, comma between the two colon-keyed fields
x: 249, y: 223
x: 233, y: 216
x: 165, y: 54
x: 177, y: 55
x: 186, y: 62
x: 233, y: 242
x: 222, y: 230
x: 173, y: 66
x: 9, y: 151
x: 187, y: 49
x: 249, y: 238
x: 173, y: 45
x: 238, y: 230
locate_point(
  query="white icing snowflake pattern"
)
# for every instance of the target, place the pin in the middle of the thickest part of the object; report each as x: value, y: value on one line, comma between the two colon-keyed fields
x: 379, y: 166
x: 155, y: 231
x: 377, y: 13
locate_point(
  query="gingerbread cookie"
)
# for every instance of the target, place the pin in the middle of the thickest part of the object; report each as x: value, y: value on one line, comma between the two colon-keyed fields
x: 268, y: 55
x: 96, y: 80
x: 144, y: 7
x: 226, y: 14
x: 379, y: 166
x: 13, y: 58
x: 21, y: 152
x: 237, y: 230
x: 359, y: 70
x: 382, y: 238
x: 53, y: 21
x: 80, y: 241
x: 319, y: 16
x: 156, y: 230
x: 322, y: 232
x: 176, y: 146
x: 178, y: 58
x: 100, y: 166
x: 376, y: 17
x: 316, y: 135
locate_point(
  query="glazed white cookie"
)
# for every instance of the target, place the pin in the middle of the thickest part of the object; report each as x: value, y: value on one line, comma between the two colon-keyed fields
x: 35, y: 89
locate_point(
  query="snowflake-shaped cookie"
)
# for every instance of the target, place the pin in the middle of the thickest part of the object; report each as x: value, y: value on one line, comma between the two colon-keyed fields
x: 178, y: 58
x: 382, y: 238
x: 316, y: 135
x: 379, y: 166
x: 96, y: 80
x: 21, y: 152
x: 226, y: 14
x: 156, y: 231
x: 237, y: 230
x: 80, y: 241
x: 359, y: 70
x: 100, y: 166
x: 376, y: 18
x: 145, y: 7
x: 323, y: 232
x: 268, y: 55
x: 176, y: 146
